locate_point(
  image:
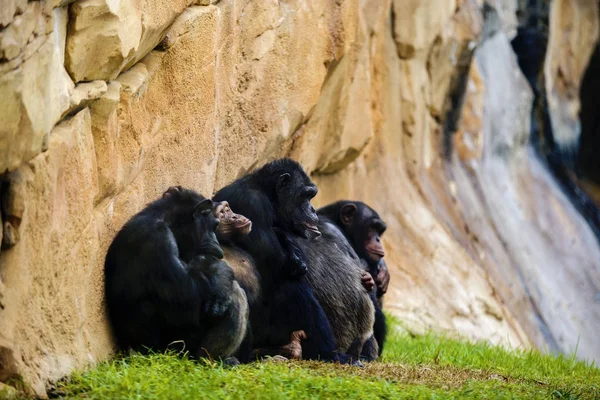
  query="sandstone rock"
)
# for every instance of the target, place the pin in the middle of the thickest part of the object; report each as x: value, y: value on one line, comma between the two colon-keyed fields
x: 523, y: 201
x: 35, y: 94
x: 121, y: 33
x: 417, y: 23
x: 14, y: 38
x: 182, y: 25
x: 336, y: 128
x: 9, y: 9
x: 84, y: 93
x: 468, y: 139
x: 206, y: 2
x: 574, y: 30
x: 450, y: 56
x: 47, y: 335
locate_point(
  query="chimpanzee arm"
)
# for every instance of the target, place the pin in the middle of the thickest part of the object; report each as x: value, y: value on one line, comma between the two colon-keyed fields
x: 168, y: 283
x: 382, y: 280
x: 214, y: 279
x: 296, y: 264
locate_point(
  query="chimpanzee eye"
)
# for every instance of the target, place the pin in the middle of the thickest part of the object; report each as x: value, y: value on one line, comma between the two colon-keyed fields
x: 379, y: 227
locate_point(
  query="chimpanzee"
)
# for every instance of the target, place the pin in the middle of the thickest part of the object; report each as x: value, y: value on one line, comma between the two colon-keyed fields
x: 334, y: 273
x: 165, y: 284
x: 363, y: 228
x: 233, y: 226
x: 276, y: 198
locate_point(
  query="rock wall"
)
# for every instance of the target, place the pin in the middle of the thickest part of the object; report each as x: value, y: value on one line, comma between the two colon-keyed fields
x: 416, y: 107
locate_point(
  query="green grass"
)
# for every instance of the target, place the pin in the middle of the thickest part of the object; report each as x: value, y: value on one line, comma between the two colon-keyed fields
x: 424, y: 367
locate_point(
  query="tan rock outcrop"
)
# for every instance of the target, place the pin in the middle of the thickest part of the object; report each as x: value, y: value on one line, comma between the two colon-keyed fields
x: 34, y: 84
x: 118, y: 33
x: 510, y: 204
x: 415, y: 107
x: 9, y: 9
x: 575, y: 26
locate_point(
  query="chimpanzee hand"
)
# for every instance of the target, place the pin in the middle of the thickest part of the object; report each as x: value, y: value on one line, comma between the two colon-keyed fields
x: 296, y: 263
x: 382, y: 279
x: 367, y: 281
x: 215, y: 279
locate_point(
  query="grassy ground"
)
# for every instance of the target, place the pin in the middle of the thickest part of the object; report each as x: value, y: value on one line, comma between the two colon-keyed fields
x: 426, y: 367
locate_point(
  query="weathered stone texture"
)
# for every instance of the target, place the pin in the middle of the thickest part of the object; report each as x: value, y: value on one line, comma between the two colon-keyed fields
x: 197, y: 93
x: 575, y: 26
x: 34, y: 84
x: 107, y: 37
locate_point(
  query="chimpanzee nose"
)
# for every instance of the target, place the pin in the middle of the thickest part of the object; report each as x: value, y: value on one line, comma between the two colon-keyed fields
x: 378, y: 241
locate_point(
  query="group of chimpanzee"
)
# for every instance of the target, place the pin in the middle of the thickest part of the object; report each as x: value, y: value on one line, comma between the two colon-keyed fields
x: 279, y: 278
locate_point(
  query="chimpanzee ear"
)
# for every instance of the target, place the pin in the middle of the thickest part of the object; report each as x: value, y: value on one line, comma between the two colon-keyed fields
x: 204, y: 207
x: 347, y: 214
x: 283, y: 180
x: 172, y: 189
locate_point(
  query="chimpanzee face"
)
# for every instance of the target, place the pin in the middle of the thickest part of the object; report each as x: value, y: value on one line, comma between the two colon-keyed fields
x: 372, y: 245
x: 205, y: 226
x: 294, y: 194
x: 364, y: 228
x: 230, y: 223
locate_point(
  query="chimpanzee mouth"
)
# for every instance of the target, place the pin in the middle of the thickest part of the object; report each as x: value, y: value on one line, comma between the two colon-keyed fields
x: 310, y: 231
x: 311, y: 227
x: 374, y: 257
x: 376, y: 253
x: 244, y: 225
x: 375, y: 249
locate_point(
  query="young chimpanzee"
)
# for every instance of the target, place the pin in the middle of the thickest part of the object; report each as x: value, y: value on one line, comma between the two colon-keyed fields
x: 165, y: 284
x: 276, y: 198
x: 363, y: 228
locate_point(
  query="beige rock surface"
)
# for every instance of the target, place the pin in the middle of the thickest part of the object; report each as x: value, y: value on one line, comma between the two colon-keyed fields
x: 119, y: 33
x: 358, y: 91
x: 576, y: 27
x: 34, y: 85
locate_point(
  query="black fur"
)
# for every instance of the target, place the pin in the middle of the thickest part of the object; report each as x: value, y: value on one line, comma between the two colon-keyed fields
x: 165, y: 283
x: 356, y: 231
x: 276, y: 198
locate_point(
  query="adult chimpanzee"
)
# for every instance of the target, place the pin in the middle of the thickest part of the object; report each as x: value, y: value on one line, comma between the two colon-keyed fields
x: 276, y: 198
x: 233, y: 226
x: 166, y: 285
x: 363, y: 228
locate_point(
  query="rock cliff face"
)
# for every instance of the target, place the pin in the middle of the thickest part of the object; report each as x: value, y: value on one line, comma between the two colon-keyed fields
x: 418, y: 108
